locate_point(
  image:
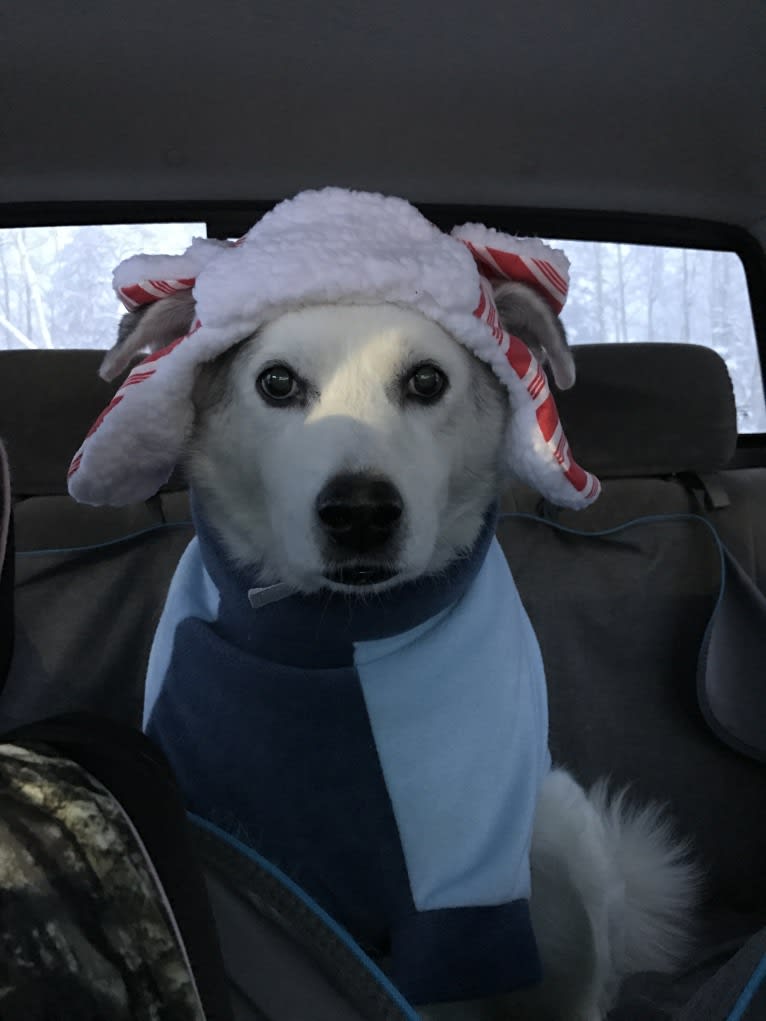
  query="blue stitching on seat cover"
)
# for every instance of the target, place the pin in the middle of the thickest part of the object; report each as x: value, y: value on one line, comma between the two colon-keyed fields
x: 310, y: 903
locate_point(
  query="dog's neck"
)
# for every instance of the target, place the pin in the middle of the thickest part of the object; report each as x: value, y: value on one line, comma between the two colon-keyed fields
x: 296, y: 623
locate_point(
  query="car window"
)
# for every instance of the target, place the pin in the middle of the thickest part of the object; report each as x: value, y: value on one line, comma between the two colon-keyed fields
x: 628, y: 293
x: 56, y: 282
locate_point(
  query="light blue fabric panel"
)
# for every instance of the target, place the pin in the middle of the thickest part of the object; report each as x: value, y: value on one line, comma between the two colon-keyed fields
x: 192, y: 593
x: 458, y: 710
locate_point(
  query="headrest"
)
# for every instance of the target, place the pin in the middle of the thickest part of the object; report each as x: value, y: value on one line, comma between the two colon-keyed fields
x: 650, y: 409
x: 47, y: 400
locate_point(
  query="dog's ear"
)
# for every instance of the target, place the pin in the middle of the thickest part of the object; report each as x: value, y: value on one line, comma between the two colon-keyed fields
x: 528, y: 316
x: 148, y: 328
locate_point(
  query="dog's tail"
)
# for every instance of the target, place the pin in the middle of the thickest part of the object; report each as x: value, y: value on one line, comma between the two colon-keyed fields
x: 660, y: 883
x: 613, y: 893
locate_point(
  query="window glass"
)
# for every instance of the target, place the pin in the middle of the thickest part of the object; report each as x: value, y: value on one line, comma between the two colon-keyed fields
x: 628, y: 293
x: 56, y: 282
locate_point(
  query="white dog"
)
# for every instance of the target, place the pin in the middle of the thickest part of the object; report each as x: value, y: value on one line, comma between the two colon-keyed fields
x: 342, y: 455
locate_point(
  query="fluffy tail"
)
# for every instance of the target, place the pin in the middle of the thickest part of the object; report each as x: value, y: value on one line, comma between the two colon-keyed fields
x: 652, y: 931
x: 613, y: 893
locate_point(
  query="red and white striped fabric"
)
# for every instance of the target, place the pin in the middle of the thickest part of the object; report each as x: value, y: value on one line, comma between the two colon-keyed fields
x: 329, y: 246
x: 531, y: 376
x: 145, y: 292
x: 538, y: 273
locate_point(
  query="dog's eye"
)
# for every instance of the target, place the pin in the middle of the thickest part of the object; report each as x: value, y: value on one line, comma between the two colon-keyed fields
x: 426, y: 383
x: 277, y: 383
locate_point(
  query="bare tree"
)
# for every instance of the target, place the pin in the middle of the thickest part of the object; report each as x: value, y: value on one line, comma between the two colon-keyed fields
x: 686, y: 296
x: 34, y: 290
x: 16, y: 332
x: 600, y: 294
x: 656, y: 269
x: 6, y: 282
x: 623, y: 316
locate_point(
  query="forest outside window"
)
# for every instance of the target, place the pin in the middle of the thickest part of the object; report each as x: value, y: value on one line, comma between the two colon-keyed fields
x: 56, y: 282
x: 623, y: 293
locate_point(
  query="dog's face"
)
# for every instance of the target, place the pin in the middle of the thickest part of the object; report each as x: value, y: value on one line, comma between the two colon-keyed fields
x: 350, y: 448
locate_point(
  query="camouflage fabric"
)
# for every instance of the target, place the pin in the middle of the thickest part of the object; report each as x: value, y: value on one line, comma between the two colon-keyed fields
x: 85, y: 931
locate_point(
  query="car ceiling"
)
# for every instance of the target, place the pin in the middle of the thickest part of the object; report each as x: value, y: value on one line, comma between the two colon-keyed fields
x: 655, y: 108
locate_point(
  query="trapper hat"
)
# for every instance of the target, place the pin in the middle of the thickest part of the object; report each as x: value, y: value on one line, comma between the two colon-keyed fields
x: 324, y: 247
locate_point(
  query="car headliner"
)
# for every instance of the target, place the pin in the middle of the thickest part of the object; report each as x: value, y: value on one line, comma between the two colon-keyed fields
x: 654, y: 108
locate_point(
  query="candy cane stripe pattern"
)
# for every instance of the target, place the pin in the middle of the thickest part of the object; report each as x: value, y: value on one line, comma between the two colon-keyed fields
x: 533, y: 378
x: 327, y: 246
x: 538, y: 273
x: 147, y: 291
x: 137, y: 375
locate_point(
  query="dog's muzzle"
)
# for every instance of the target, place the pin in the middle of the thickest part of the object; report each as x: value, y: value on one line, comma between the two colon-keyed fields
x: 360, y: 516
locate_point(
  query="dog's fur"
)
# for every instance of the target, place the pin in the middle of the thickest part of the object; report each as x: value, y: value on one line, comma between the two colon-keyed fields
x: 611, y: 891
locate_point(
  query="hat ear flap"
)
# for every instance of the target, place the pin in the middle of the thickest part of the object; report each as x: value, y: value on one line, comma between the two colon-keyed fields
x: 157, y: 291
x: 526, y: 315
x: 148, y: 328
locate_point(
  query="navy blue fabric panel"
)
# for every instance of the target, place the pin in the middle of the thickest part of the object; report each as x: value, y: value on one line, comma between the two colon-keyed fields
x: 284, y: 759
x: 464, y: 953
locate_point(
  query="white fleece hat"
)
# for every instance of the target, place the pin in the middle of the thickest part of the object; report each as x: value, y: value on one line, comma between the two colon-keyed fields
x: 329, y: 246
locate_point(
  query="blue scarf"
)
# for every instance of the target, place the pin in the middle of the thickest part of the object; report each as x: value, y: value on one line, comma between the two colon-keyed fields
x: 385, y: 752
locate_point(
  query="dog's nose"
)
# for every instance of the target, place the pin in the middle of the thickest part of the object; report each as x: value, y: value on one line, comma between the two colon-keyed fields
x: 360, y: 512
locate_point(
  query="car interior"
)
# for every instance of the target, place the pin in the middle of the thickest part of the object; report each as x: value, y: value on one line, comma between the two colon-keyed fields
x: 635, y: 138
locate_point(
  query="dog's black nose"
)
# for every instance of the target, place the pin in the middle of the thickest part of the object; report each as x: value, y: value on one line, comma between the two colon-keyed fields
x: 359, y: 512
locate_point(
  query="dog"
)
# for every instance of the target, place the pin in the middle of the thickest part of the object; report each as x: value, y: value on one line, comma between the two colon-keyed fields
x: 344, y: 676
x: 357, y: 449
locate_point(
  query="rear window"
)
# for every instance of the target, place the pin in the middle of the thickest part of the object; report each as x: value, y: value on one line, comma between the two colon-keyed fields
x: 622, y: 294
x: 55, y: 292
